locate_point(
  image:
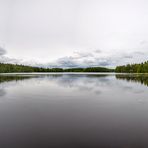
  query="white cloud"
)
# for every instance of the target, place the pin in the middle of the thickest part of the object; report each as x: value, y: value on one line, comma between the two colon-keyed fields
x: 107, y: 59
x: 36, y: 32
x: 84, y: 59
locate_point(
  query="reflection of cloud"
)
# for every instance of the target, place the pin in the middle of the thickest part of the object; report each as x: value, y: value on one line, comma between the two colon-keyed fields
x: 128, y: 88
x: 92, y: 83
x: 2, y: 92
x: 139, y: 91
x: 98, y: 92
x: 8, y: 80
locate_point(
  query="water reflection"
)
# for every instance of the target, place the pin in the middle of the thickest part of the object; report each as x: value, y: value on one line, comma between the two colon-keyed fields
x: 81, y: 82
x: 2, y: 92
x: 10, y: 78
x: 139, y: 78
x: 72, y: 111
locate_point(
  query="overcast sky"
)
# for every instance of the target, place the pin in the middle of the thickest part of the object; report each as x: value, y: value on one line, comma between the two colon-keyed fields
x: 73, y: 33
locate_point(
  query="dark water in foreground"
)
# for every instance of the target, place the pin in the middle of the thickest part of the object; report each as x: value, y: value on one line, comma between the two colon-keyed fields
x: 74, y: 111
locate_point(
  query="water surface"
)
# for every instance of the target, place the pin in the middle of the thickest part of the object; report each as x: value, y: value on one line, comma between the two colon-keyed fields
x: 73, y: 110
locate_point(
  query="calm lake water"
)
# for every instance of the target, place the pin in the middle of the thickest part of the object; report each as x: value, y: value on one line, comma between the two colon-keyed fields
x: 73, y: 111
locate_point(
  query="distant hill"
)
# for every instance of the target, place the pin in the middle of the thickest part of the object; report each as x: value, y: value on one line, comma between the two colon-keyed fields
x: 133, y: 68
x: 12, y: 68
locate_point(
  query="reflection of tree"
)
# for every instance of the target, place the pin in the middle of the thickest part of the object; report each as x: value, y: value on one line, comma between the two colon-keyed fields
x: 7, y: 78
x: 140, y: 78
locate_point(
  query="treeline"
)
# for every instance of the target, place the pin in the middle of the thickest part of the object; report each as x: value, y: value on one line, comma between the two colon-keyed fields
x: 89, y: 69
x: 133, y: 68
x: 12, y: 68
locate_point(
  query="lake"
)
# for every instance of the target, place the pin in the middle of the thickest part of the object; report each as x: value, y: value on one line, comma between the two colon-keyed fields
x: 76, y: 110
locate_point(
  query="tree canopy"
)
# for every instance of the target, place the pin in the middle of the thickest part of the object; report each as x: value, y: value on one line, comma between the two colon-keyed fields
x: 133, y: 68
x: 12, y: 68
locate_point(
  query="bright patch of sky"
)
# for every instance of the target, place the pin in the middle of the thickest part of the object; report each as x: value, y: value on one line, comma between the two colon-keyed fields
x: 73, y: 33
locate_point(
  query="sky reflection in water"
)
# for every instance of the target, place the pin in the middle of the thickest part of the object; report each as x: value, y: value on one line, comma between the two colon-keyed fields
x: 73, y: 110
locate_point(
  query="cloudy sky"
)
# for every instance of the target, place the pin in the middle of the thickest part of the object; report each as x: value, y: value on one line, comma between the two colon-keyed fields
x: 73, y: 33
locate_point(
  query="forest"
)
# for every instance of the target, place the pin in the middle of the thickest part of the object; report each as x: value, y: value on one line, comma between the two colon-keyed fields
x: 129, y: 68
x: 12, y: 68
x: 133, y: 68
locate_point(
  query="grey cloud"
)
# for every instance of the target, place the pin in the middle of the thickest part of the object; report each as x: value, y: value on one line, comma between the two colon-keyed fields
x: 135, y: 56
x: 5, y: 59
x: 2, y: 51
x: 139, y: 53
x: 98, y: 51
x: 130, y: 55
x: 82, y: 55
x: 53, y: 28
x: 127, y: 56
x: 65, y: 62
x: 81, y: 59
x: 97, y: 62
x: 143, y: 42
x: 104, y: 63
